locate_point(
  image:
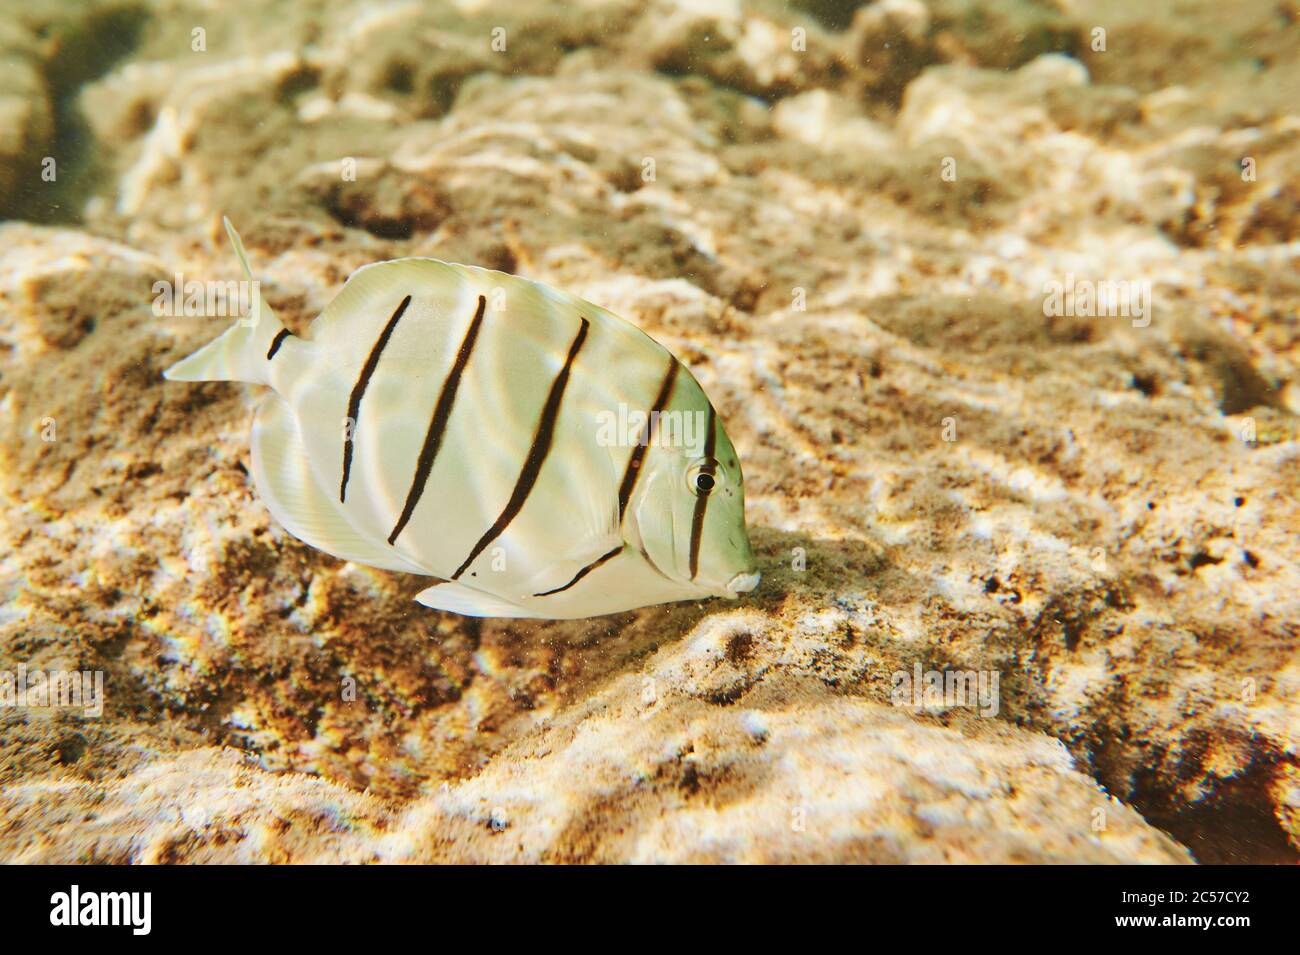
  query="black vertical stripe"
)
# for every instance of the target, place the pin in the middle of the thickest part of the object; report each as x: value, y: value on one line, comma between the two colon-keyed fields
x: 633, y: 470
x: 702, y: 500
x: 276, y: 342
x: 536, y: 454
x: 584, y: 572
x: 359, y: 390
x: 438, y: 423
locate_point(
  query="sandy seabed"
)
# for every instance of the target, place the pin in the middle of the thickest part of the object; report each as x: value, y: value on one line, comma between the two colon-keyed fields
x: 848, y: 235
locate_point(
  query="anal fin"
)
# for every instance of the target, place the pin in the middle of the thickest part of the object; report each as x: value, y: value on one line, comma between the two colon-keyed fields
x: 285, y: 483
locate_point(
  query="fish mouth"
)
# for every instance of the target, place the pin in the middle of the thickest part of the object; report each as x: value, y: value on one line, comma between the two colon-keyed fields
x: 743, y: 583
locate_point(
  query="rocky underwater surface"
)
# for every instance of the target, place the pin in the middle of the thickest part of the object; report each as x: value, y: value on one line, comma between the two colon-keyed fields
x: 850, y: 221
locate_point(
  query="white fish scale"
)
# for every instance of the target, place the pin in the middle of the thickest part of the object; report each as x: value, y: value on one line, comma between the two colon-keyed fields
x: 517, y: 355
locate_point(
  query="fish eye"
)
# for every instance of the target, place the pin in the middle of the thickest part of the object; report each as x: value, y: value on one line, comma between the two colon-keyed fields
x: 703, y: 476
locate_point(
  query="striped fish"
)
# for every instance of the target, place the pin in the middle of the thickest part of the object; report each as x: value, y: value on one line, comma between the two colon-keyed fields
x: 536, y: 454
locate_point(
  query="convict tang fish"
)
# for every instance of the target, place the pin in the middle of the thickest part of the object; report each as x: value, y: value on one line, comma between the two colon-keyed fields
x: 537, y: 454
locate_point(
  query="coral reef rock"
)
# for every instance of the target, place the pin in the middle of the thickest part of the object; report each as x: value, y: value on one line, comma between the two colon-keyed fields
x: 850, y: 220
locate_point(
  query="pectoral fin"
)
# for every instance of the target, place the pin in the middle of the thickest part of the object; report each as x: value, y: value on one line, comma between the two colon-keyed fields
x: 601, y: 539
x: 560, y: 578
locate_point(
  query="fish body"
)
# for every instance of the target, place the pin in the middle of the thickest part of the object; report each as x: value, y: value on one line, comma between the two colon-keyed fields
x: 474, y: 427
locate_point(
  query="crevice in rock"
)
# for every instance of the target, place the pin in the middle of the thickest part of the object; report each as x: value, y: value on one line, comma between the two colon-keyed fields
x: 1234, y: 823
x: 82, y: 51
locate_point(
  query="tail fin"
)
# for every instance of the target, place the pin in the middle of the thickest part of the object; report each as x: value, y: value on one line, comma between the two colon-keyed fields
x: 241, y: 352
